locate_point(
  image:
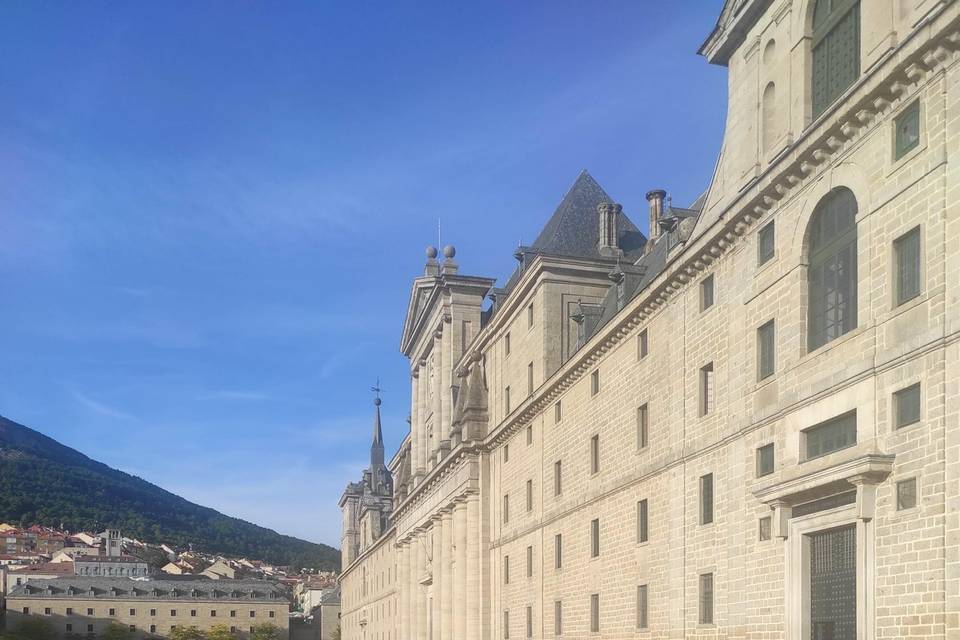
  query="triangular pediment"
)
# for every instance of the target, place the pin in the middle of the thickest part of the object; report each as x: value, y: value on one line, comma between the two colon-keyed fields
x: 424, y: 289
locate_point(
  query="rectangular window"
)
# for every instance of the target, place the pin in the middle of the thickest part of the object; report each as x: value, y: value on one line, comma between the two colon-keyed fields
x: 906, y: 251
x: 766, y: 243
x: 253, y: 614
x: 506, y: 625
x: 112, y: 612
x: 529, y: 562
x: 906, y: 494
x: 765, y: 460
x: 641, y: 606
x: 706, y: 293
x: 558, y: 551
x: 193, y: 613
x: 132, y: 627
x: 643, y: 346
x: 272, y: 614
x: 557, y: 618
x: 90, y: 612
x: 706, y: 598
x: 506, y: 508
x: 706, y: 499
x: 557, y: 478
x: 595, y: 382
x: 766, y: 350
x: 506, y: 400
x: 706, y: 389
x: 69, y: 611
x: 153, y: 628
x: 233, y: 613
x: 643, y: 425
x: 906, y: 405
x: 595, y: 454
x: 506, y: 344
x: 46, y: 611
x: 906, y: 130
x: 69, y: 627
x: 765, y: 528
x: 557, y: 412
x: 832, y: 435
x: 173, y: 613
x: 595, y: 613
x: 133, y: 612
x: 506, y: 452
x: 529, y: 435
x: 530, y: 315
x: 529, y: 495
x: 213, y: 613
x: 506, y: 569
x: 26, y: 610
x: 529, y: 622
x: 530, y: 379
x: 642, y: 531
x: 595, y: 538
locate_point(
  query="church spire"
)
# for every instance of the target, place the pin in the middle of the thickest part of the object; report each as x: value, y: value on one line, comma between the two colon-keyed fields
x: 376, y: 448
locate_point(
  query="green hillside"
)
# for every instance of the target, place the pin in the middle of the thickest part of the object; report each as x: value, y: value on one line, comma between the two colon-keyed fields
x: 44, y: 482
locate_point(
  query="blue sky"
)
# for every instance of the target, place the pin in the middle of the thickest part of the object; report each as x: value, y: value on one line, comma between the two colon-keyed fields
x: 211, y: 212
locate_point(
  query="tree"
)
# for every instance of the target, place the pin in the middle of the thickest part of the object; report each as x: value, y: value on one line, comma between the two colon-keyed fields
x: 116, y: 631
x: 219, y: 632
x: 187, y: 633
x: 265, y: 631
x: 33, y: 629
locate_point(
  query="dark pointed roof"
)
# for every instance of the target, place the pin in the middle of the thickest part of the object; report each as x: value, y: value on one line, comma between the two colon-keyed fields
x: 573, y: 230
x: 377, y: 446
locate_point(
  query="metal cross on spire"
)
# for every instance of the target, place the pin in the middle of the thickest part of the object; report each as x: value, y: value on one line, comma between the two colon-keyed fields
x: 376, y: 388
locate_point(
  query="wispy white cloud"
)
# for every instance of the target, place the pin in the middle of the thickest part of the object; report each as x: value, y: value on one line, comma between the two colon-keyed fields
x: 234, y: 394
x: 99, y: 407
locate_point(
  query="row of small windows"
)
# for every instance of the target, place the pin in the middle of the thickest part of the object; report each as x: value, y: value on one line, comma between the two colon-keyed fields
x: 68, y: 627
x: 506, y: 336
x: 153, y: 612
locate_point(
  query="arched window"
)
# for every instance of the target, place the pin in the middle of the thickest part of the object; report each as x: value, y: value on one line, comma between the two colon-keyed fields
x: 836, y: 50
x: 832, y: 273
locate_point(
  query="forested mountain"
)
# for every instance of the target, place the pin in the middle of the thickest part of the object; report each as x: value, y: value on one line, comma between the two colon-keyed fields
x: 45, y: 482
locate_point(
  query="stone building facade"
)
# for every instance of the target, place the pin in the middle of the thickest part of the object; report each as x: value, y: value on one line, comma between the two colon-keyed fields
x: 85, y: 607
x: 743, y: 424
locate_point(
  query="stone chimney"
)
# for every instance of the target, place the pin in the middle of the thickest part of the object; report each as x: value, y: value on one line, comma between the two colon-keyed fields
x: 655, y: 199
x: 608, y: 213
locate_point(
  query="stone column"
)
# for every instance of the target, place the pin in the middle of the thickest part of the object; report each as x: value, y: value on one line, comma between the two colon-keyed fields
x: 415, y: 425
x: 438, y: 366
x: 446, y: 381
x: 438, y: 585
x: 411, y: 587
x: 459, y: 585
x: 421, y: 593
x: 446, y: 556
x: 403, y: 609
x: 424, y: 443
x: 472, y: 593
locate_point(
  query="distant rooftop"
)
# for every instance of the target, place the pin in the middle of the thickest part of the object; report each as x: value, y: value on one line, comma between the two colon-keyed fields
x: 150, y: 589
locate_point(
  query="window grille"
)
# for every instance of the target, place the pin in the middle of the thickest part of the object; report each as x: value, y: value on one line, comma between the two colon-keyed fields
x: 907, y: 405
x: 835, y: 51
x: 642, y: 606
x: 642, y: 522
x: 706, y: 599
x: 706, y: 499
x: 832, y: 273
x: 833, y: 584
x: 906, y: 250
x: 906, y: 128
x: 766, y: 243
x: 832, y: 435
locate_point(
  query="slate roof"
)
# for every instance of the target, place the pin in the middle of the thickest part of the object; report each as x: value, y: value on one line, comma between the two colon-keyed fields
x: 573, y: 229
x: 62, y: 568
x: 128, y: 588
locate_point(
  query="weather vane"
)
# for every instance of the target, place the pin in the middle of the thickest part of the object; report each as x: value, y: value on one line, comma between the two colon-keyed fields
x: 376, y: 389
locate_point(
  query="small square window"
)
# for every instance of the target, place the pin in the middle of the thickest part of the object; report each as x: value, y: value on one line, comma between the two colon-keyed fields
x: 133, y: 612
x: 706, y: 389
x: 595, y: 613
x: 643, y: 347
x: 643, y: 425
x: 193, y: 613
x: 595, y: 382
x: 213, y: 613
x: 706, y: 599
x: 765, y: 528
x: 706, y: 499
x: 766, y: 350
x: 765, y: 460
x: 233, y: 613
x: 69, y: 611
x: 557, y: 412
x: 595, y: 538
x: 706, y: 293
x: 173, y: 613
x: 253, y: 614
x: 46, y: 611
x: 595, y: 454
x: 766, y: 243
x: 906, y: 131
x: 906, y: 250
x: 113, y: 612
x: 906, y: 405
x: 557, y: 478
x: 69, y: 627
x: 90, y: 612
x: 906, y: 494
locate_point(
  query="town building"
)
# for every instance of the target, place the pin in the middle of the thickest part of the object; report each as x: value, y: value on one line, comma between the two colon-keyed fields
x: 39, y: 571
x: 743, y: 423
x: 149, y: 608
x: 111, y: 566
